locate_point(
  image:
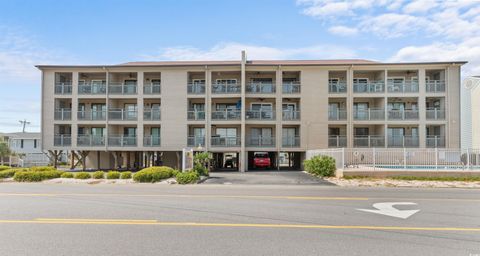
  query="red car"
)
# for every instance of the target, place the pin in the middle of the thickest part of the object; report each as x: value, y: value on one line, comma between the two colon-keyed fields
x: 261, y: 160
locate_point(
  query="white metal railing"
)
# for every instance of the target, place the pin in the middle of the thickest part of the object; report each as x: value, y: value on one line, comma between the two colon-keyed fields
x: 405, y: 141
x: 337, y: 87
x: 291, y: 141
x: 121, y: 88
x: 405, y: 86
x: 152, y: 88
x: 196, y: 141
x: 405, y: 114
x: 261, y: 141
x: 88, y: 140
x: 260, y: 115
x: 122, y: 114
x: 290, y: 115
x: 337, y: 141
x: 369, y: 141
x: 369, y: 114
x: 63, y: 88
x: 291, y: 87
x: 258, y: 87
x: 336, y: 115
x: 226, y: 88
x: 196, y: 115
x: 225, y: 141
x: 435, y: 85
x: 226, y: 114
x: 151, y: 141
x: 92, y: 88
x: 62, y: 140
x: 91, y: 115
x: 369, y: 87
x: 63, y: 114
x: 152, y: 114
x: 122, y: 141
x: 435, y: 114
x: 196, y: 88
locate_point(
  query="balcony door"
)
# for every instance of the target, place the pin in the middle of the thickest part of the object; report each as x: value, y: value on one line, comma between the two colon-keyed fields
x: 130, y: 111
x: 265, y: 110
x: 226, y: 132
x: 361, y: 110
x: 130, y: 86
x: 288, y: 136
x: 129, y: 131
x: 261, y: 136
x: 98, y: 111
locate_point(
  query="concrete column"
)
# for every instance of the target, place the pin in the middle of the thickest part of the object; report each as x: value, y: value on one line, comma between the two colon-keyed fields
x: 107, y: 106
x: 385, y: 107
x: 74, y: 127
x: 140, y: 107
x: 422, y: 107
x: 208, y: 108
x: 243, y: 156
x: 349, y: 107
x: 278, y: 110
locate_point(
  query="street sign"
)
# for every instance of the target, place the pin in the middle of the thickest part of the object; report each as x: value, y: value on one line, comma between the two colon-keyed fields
x: 388, y: 210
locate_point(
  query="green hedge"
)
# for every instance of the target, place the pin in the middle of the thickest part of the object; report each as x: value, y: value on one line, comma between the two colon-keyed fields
x: 153, y: 174
x: 4, y: 167
x: 67, y: 175
x: 187, y: 177
x: 8, y: 173
x: 126, y: 175
x: 35, y: 176
x: 112, y: 175
x: 42, y: 168
x: 82, y: 175
x: 323, y: 166
x: 98, y: 175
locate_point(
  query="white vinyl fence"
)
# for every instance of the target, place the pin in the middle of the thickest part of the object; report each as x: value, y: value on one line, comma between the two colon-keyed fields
x: 385, y: 159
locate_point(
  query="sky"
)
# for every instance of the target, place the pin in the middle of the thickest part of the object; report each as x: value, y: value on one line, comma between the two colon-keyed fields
x: 36, y: 32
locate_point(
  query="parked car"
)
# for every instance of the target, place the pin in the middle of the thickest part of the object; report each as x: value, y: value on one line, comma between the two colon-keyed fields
x: 229, y: 162
x: 261, y: 160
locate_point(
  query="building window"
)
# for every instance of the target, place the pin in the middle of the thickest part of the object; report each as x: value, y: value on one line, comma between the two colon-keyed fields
x: 21, y: 143
x: 34, y: 143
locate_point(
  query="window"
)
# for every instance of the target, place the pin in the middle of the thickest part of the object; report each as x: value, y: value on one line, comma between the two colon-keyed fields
x: 226, y: 81
x: 334, y: 131
x: 130, y: 131
x: 34, y: 143
x: 363, y: 131
x: 198, y: 81
x: 289, y: 107
x: 226, y: 132
x: 21, y: 143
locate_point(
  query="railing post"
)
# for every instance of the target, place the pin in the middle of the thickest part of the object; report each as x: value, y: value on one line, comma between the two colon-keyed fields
x: 468, y: 159
x: 343, y: 158
x: 404, y: 158
x: 436, y: 158
x: 374, y: 157
x: 369, y: 117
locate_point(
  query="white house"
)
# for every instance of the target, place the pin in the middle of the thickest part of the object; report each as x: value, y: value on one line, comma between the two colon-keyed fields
x: 27, y: 146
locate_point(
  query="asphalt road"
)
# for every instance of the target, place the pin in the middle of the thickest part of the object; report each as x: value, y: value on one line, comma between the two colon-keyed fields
x: 155, y: 219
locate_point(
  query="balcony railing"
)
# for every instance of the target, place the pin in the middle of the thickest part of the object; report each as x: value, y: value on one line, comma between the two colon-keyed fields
x: 435, y: 114
x: 258, y: 88
x: 435, y: 85
x: 196, y: 115
x: 196, y: 141
x: 403, y: 141
x: 434, y: 141
x: 406, y: 114
x: 62, y: 140
x: 63, y: 114
x: 225, y: 141
x: 291, y: 141
x: 369, y: 141
x: 369, y: 87
x: 196, y: 88
x: 369, y: 114
x: 290, y: 115
x: 122, y: 141
x: 63, y: 88
x: 152, y: 88
x: 407, y: 86
x: 88, y: 140
x: 223, y: 88
x: 336, y: 115
x: 266, y: 115
x: 152, y: 114
x: 151, y: 141
x: 92, y: 88
x: 337, y: 87
x: 122, y: 114
x: 291, y: 87
x: 261, y: 141
x: 92, y: 115
x: 227, y: 114
x: 337, y: 141
x: 121, y: 88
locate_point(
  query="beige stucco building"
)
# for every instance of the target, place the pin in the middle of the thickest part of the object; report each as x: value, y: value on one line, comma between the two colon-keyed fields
x: 145, y: 113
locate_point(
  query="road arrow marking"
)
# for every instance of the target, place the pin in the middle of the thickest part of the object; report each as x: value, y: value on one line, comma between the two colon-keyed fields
x: 389, y: 210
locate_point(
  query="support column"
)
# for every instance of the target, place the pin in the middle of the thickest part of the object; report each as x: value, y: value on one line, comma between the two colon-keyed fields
x: 279, y: 112
x: 74, y: 127
x: 243, y: 163
x: 140, y: 107
x: 208, y: 107
x: 422, y: 107
x: 349, y: 108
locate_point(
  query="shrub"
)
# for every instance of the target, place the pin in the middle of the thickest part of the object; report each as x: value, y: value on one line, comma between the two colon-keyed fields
x: 82, y: 175
x: 67, y: 175
x: 98, y: 175
x: 112, y: 175
x: 126, y: 175
x: 200, y: 161
x: 187, y: 177
x: 35, y: 176
x: 4, y: 167
x: 42, y: 168
x: 153, y: 174
x: 8, y: 173
x: 323, y: 166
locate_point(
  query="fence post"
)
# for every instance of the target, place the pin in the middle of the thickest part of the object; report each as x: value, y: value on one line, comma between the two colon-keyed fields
x: 436, y: 158
x: 374, y: 158
x: 468, y: 159
x: 343, y: 158
x: 404, y: 158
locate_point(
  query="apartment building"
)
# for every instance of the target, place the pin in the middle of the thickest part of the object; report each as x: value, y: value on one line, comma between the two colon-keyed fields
x: 145, y: 113
x: 470, y: 95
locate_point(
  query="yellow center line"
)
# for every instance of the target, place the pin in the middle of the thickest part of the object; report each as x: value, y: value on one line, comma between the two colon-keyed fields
x: 234, y: 225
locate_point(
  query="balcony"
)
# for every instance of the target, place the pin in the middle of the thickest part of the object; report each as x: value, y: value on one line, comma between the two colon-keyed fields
x: 196, y: 115
x: 337, y: 141
x: 406, y: 141
x: 152, y: 88
x: 122, y: 89
x: 290, y: 115
x: 63, y: 88
x: 225, y: 141
x: 122, y: 114
x: 435, y: 141
x: 291, y: 141
x: 369, y: 114
x: 369, y: 141
x: 196, y: 141
x: 337, y: 115
x: 151, y: 114
x: 226, y: 88
x: 406, y: 114
x: 435, y: 86
x: 227, y: 114
x: 87, y: 140
x: 196, y: 88
x: 291, y: 87
x: 151, y: 141
x: 92, y: 88
x: 261, y: 141
x: 435, y: 114
x: 92, y: 115
x: 63, y: 114
x: 369, y: 87
x: 403, y: 86
x: 122, y: 141
x: 62, y: 140
x: 263, y: 115
x: 260, y: 88
x: 337, y: 86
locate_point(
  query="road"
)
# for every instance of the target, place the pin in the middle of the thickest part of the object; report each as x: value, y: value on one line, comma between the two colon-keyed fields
x: 212, y: 219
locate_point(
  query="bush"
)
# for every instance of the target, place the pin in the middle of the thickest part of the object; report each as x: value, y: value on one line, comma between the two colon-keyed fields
x: 67, y: 175
x: 126, y: 175
x: 35, y: 176
x: 4, y: 167
x: 42, y: 168
x: 323, y: 166
x: 112, y: 175
x: 187, y: 177
x: 153, y: 174
x: 8, y: 173
x: 98, y: 175
x: 82, y: 175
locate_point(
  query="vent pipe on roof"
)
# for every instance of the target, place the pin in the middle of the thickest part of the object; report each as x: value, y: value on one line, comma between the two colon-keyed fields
x: 244, y: 57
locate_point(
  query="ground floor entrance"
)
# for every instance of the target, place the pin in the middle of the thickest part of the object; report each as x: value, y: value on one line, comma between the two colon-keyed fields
x: 270, y: 161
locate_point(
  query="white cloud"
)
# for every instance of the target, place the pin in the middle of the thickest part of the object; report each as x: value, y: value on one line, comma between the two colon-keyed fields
x: 420, y: 6
x: 395, y: 25
x: 343, y: 30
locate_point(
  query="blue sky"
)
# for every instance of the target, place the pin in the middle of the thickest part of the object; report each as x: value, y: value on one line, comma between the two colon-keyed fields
x: 115, y: 31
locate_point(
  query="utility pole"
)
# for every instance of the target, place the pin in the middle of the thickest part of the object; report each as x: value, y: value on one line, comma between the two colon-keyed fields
x: 24, y: 123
